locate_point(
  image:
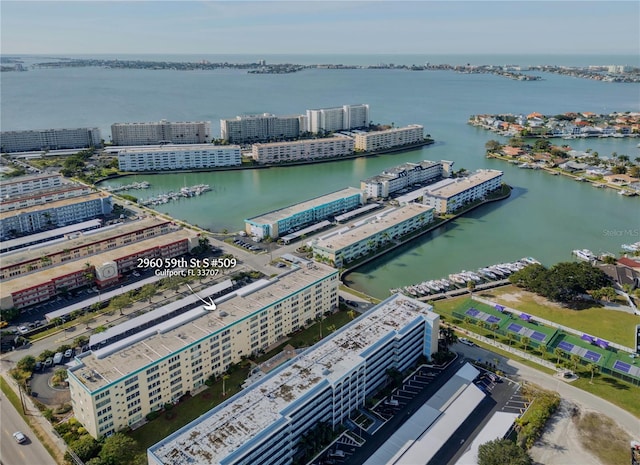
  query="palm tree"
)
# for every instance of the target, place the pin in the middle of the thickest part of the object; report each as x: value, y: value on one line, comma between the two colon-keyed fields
x: 494, y: 328
x: 351, y: 314
x: 558, y: 353
x: 575, y: 359
x: 525, y: 342
x: 593, y: 369
x: 543, y: 350
x: 511, y: 337
x: 448, y: 336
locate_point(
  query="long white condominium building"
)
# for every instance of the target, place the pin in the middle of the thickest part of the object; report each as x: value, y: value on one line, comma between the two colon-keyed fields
x: 263, y: 424
x: 405, y: 175
x: 179, y: 157
x: 49, y: 139
x: 388, y: 138
x: 324, y: 120
x: 260, y: 128
x: 295, y: 217
x: 55, y: 214
x: 351, y: 242
x: 449, y: 195
x: 309, y: 149
x: 26, y: 185
x: 191, y: 132
x: 137, y: 367
x: 43, y: 196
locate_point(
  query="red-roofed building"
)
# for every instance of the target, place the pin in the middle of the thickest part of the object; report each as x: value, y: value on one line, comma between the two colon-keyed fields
x: 629, y: 262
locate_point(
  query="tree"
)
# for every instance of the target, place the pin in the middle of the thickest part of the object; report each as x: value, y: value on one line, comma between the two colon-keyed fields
x: 492, y: 146
x: 575, y: 359
x: 494, y: 329
x: 511, y: 337
x: 502, y: 452
x: 447, y: 336
x: 86, y: 447
x: 471, y: 286
x: 525, y: 342
x: 351, y: 314
x: 543, y: 349
x: 593, y: 369
x: 27, y: 363
x: 147, y: 292
x: 558, y: 353
x: 118, y: 449
x: 120, y: 302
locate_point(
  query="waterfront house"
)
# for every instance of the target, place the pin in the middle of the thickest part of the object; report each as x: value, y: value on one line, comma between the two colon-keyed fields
x: 628, y: 262
x: 509, y: 151
x: 621, y: 179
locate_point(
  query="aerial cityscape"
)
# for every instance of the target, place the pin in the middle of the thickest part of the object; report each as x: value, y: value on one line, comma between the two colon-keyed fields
x: 319, y: 233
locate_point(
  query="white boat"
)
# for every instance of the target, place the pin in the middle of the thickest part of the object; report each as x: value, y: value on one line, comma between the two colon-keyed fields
x: 497, y: 271
x: 456, y: 278
x: 584, y: 254
x: 488, y: 273
x: 631, y: 247
x: 432, y: 285
x: 474, y: 276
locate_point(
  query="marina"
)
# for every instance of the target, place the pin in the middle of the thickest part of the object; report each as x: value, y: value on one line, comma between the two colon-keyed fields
x: 171, y: 196
x: 126, y: 187
x: 456, y: 281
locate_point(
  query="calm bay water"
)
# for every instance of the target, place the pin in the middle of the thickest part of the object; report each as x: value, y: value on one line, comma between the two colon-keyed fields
x: 546, y: 217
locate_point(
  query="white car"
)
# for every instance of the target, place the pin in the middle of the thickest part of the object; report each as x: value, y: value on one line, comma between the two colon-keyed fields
x: 23, y: 329
x: 19, y: 437
x: 465, y: 341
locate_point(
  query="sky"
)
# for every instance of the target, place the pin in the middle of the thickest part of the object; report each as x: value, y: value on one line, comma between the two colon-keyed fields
x: 320, y: 27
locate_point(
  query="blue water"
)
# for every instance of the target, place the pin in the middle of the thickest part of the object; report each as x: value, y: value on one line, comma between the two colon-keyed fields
x: 546, y: 217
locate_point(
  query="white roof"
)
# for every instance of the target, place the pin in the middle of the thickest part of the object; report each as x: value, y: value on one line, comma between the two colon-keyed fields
x: 496, y: 428
x: 226, y: 428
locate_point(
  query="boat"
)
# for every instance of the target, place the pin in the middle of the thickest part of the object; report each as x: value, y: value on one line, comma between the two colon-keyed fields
x: 627, y: 193
x: 531, y: 261
x: 487, y: 273
x: 579, y: 179
x: 631, y: 247
x: 584, y: 254
x: 456, y: 278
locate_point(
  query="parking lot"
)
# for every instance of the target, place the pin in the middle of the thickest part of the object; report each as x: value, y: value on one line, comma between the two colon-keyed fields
x: 247, y: 245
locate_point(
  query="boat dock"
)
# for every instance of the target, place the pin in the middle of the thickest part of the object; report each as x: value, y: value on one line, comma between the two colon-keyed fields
x: 184, y: 193
x: 126, y: 187
x: 457, y: 284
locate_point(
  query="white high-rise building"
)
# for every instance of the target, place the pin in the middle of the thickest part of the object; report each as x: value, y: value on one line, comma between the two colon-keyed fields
x: 49, y: 139
x: 179, y: 157
x: 347, y: 117
x: 261, y: 128
x: 192, y: 132
x: 263, y: 424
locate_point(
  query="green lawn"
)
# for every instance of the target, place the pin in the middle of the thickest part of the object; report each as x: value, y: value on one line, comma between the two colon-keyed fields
x: 610, y: 325
x: 188, y: 410
x: 616, y: 391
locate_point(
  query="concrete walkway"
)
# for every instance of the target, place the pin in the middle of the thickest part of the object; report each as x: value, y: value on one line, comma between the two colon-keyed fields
x: 626, y: 420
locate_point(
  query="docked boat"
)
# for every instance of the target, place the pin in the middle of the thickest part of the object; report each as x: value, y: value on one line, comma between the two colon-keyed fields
x: 584, y: 254
x: 456, y: 278
x: 631, y: 247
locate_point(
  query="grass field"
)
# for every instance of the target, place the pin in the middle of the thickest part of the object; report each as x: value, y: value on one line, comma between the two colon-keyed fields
x: 610, y: 325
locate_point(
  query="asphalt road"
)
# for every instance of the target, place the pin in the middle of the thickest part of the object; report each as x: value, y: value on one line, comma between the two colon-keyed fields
x: 31, y: 452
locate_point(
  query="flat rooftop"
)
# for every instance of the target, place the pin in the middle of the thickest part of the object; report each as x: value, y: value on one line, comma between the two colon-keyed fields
x: 370, y: 226
x: 302, y: 142
x: 452, y: 186
x: 56, y: 204
x: 392, y: 173
x: 38, y: 277
x: 42, y: 193
x: 390, y: 130
x: 242, y: 418
x: 51, y: 234
x: 175, y: 148
x: 95, y: 235
x: 28, y: 177
x: 277, y: 215
x: 198, y: 324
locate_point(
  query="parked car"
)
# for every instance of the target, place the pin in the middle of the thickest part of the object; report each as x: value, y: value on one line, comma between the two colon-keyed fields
x: 465, y: 341
x: 23, y: 329
x: 68, y: 353
x: 48, y: 362
x: 38, y: 366
x: 57, y: 358
x: 3, y: 324
x: 19, y: 437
